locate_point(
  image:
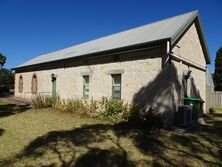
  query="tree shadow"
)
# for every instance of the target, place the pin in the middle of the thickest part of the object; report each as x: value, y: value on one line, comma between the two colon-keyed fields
x: 88, y: 138
x: 161, y: 93
x: 215, y: 123
x: 3, y: 95
x: 204, y: 141
x: 2, y: 131
x: 166, y: 92
x: 100, y: 158
x: 100, y: 145
x: 64, y: 146
x: 11, y: 109
x: 193, y: 90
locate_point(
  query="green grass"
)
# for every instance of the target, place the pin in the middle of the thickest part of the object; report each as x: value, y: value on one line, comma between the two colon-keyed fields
x: 47, y: 137
x: 218, y: 109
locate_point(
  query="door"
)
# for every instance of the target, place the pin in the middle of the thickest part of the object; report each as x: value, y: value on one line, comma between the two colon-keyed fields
x: 53, y: 87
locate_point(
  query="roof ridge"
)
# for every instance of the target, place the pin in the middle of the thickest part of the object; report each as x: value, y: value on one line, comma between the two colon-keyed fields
x: 157, y: 30
x: 133, y: 28
x: 126, y: 30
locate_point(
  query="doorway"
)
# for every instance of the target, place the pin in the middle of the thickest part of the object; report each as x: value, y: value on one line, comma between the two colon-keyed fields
x: 53, y: 85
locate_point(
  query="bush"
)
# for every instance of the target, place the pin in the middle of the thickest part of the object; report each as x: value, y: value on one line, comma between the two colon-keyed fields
x: 113, y: 109
x: 211, y: 111
x: 153, y: 117
x: 70, y: 105
x: 93, y: 107
x: 76, y: 105
x: 108, y: 108
x: 133, y: 114
x: 80, y: 106
x: 146, y: 116
x: 41, y: 101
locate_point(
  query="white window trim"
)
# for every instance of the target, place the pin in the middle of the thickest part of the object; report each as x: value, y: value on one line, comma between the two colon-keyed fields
x: 112, y: 91
x: 84, y: 84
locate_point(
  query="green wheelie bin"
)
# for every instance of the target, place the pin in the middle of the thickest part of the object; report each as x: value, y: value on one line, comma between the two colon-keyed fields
x: 197, y: 106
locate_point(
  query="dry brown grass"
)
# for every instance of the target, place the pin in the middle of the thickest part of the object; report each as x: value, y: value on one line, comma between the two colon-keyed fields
x: 47, y: 137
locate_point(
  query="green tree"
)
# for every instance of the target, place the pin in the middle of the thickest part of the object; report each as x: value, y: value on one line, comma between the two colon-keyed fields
x: 218, y: 71
x: 2, y: 60
x: 7, y: 78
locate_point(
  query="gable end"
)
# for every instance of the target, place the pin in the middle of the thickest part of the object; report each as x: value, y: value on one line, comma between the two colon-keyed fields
x: 194, y: 19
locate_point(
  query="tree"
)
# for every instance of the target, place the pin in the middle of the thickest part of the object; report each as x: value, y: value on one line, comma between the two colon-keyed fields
x: 218, y: 71
x: 7, y: 78
x: 2, y: 60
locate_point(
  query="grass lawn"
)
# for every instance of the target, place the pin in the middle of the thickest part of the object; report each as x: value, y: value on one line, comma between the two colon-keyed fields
x: 47, y: 137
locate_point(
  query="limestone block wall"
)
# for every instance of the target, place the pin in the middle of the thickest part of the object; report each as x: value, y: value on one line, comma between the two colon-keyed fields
x: 189, y: 47
x: 196, y: 84
x: 144, y: 80
x: 136, y: 73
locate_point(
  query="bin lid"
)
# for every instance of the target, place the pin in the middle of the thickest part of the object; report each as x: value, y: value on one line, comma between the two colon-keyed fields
x: 193, y: 99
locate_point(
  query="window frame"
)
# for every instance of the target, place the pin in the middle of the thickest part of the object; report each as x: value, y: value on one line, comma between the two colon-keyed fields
x: 85, y: 96
x: 120, y: 86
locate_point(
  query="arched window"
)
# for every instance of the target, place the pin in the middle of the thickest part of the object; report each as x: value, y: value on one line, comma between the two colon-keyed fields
x: 34, y: 84
x: 20, y: 85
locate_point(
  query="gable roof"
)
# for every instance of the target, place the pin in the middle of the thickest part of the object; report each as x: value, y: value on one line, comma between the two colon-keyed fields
x: 167, y: 29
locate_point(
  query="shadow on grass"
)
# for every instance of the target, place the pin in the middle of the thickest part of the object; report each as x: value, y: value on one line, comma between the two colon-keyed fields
x: 6, y: 94
x: 1, y: 131
x: 213, y: 119
x: 206, y: 141
x: 11, y: 109
x: 64, y: 145
x: 100, y: 145
x: 99, y: 157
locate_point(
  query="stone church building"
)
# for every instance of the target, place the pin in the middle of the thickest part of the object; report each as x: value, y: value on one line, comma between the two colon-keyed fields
x: 156, y: 65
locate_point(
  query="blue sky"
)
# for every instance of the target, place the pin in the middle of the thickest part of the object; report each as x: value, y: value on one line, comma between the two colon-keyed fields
x: 33, y: 27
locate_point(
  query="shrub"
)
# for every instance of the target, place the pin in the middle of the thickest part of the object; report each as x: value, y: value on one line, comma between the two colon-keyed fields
x: 60, y: 104
x: 76, y: 105
x: 108, y: 108
x: 153, y: 117
x: 41, y: 101
x: 133, y: 113
x: 211, y: 111
x: 38, y: 102
x: 146, y: 116
x: 93, y: 107
x: 113, y: 109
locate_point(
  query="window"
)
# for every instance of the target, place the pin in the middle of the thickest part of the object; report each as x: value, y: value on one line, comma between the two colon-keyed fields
x: 20, y: 85
x: 116, y: 86
x: 86, y: 86
x: 34, y: 84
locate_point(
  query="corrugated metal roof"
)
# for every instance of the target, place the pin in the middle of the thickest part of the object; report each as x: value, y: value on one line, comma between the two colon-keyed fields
x: 164, y: 29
